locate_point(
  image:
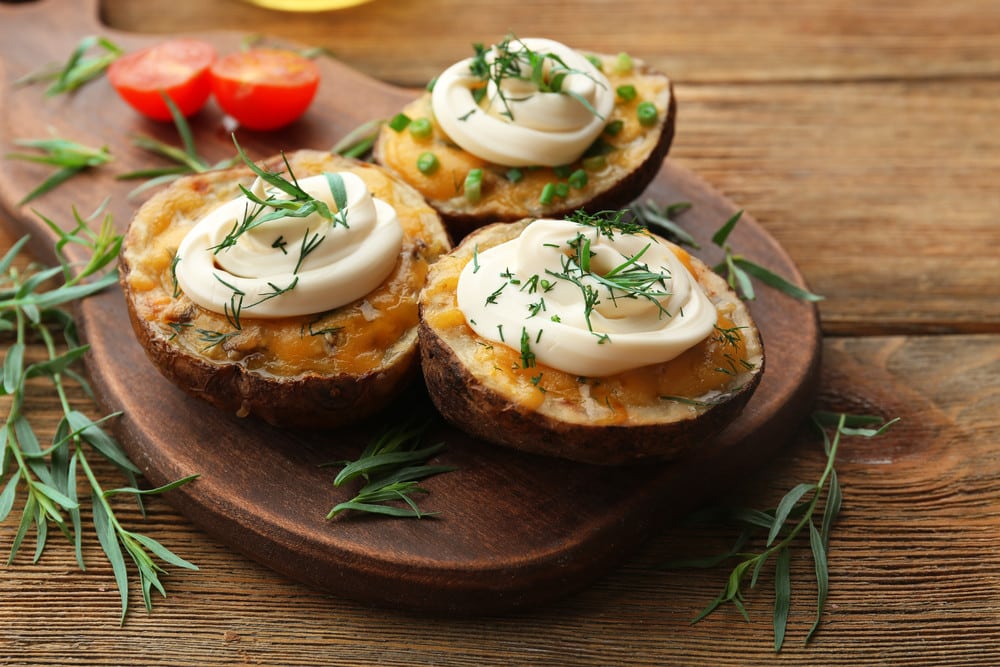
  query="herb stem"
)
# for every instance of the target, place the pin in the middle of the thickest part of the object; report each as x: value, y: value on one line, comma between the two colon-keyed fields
x: 774, y: 521
x: 48, y: 476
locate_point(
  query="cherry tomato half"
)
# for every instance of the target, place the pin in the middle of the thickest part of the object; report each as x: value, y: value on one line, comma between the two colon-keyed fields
x: 177, y: 67
x: 264, y: 89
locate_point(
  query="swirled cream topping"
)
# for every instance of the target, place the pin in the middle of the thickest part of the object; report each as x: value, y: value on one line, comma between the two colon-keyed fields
x: 280, y: 256
x: 590, y: 300
x: 519, y: 119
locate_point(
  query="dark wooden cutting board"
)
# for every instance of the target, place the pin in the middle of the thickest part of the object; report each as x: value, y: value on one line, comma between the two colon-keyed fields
x: 512, y: 529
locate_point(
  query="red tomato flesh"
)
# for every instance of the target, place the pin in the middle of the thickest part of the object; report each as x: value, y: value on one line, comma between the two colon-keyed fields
x: 264, y: 89
x: 177, y: 67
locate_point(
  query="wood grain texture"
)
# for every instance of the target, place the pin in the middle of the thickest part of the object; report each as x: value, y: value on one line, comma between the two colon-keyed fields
x: 819, y: 117
x: 884, y: 193
x: 781, y: 40
x: 915, y: 576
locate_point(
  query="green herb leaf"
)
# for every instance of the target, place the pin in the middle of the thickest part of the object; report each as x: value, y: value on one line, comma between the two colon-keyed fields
x: 774, y: 522
x: 661, y: 221
x: 513, y: 59
x: 70, y: 156
x: 782, y: 595
x: 722, y: 234
x: 79, y: 68
x: 187, y: 159
x: 13, y: 367
x: 818, y: 546
x: 358, y: 142
x: 48, y: 478
x: 392, y: 464
x: 785, y: 508
x: 774, y: 280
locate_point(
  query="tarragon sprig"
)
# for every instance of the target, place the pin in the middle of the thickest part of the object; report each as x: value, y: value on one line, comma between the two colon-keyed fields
x: 736, y: 268
x: 662, y: 220
x: 70, y: 156
x: 79, y: 68
x: 794, y: 515
x: 185, y: 158
x: 359, y: 142
x: 392, y: 465
x: 47, y: 477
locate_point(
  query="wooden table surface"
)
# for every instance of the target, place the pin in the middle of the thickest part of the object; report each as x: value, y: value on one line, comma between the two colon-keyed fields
x: 863, y: 136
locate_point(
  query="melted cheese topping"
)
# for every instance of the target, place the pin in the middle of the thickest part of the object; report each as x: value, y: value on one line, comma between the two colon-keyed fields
x: 288, y: 265
x: 514, y: 122
x: 584, y: 300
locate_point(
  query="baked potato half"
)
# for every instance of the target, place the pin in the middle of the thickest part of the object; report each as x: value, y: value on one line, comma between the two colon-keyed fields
x: 654, y: 412
x: 605, y: 174
x: 314, y: 370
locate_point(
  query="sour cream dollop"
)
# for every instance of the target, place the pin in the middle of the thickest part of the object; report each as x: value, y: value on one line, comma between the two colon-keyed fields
x: 291, y: 265
x: 516, y: 124
x: 531, y: 294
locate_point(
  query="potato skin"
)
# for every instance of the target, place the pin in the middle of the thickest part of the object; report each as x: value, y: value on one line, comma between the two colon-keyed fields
x: 306, y: 393
x: 487, y: 411
x: 462, y: 217
x: 305, y: 401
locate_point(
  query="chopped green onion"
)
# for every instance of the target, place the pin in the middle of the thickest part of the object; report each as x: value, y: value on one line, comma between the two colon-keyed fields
x: 474, y: 185
x: 399, y: 122
x: 647, y: 114
x: 548, y: 193
x: 614, y: 128
x: 623, y: 63
x: 427, y: 163
x: 578, y: 179
x: 421, y: 128
x: 596, y: 62
x: 431, y: 84
x: 595, y: 162
x: 627, y: 92
x: 599, y: 147
x: 561, y: 190
x: 515, y: 175
x: 563, y: 171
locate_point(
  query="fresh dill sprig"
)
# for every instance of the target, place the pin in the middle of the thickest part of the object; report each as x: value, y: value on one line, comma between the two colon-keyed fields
x: 213, y: 338
x: 309, y: 244
x: 635, y: 280
x: 572, y: 273
x: 630, y: 279
x: 275, y: 292
x: 79, y: 68
x: 392, y: 465
x: 794, y: 516
x: 513, y: 59
x: 608, y: 223
x: 71, y: 158
x: 47, y: 478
